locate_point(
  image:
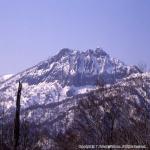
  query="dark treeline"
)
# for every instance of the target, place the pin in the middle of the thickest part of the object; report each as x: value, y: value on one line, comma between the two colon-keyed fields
x: 104, y: 118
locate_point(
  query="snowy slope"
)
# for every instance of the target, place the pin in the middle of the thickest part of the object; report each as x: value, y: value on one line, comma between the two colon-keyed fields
x: 5, y: 77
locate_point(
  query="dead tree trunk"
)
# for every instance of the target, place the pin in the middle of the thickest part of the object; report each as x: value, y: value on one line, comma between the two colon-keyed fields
x: 17, y: 118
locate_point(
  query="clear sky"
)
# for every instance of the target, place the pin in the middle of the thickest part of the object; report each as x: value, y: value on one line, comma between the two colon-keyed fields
x: 32, y: 30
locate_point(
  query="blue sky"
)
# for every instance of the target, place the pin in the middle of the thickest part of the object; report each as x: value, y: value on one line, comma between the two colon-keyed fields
x: 32, y: 30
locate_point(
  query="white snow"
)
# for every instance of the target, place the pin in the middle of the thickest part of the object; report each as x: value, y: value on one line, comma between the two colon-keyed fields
x: 5, y: 77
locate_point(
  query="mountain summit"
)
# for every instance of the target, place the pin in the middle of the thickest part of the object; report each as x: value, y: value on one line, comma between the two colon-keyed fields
x: 66, y: 74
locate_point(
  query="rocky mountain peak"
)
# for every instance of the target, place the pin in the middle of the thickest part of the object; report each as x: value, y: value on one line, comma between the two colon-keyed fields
x: 68, y: 73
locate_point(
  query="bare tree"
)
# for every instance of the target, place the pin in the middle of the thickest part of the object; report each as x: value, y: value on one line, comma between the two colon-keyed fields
x: 17, y: 118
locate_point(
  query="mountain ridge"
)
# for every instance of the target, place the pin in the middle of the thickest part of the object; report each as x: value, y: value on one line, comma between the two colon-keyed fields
x: 64, y: 74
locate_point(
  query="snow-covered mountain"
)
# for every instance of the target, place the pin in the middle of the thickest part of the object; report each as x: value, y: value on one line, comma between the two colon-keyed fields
x: 54, y: 87
x: 66, y: 74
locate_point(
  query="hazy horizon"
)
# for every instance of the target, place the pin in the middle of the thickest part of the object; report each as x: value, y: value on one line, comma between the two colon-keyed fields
x: 33, y: 31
